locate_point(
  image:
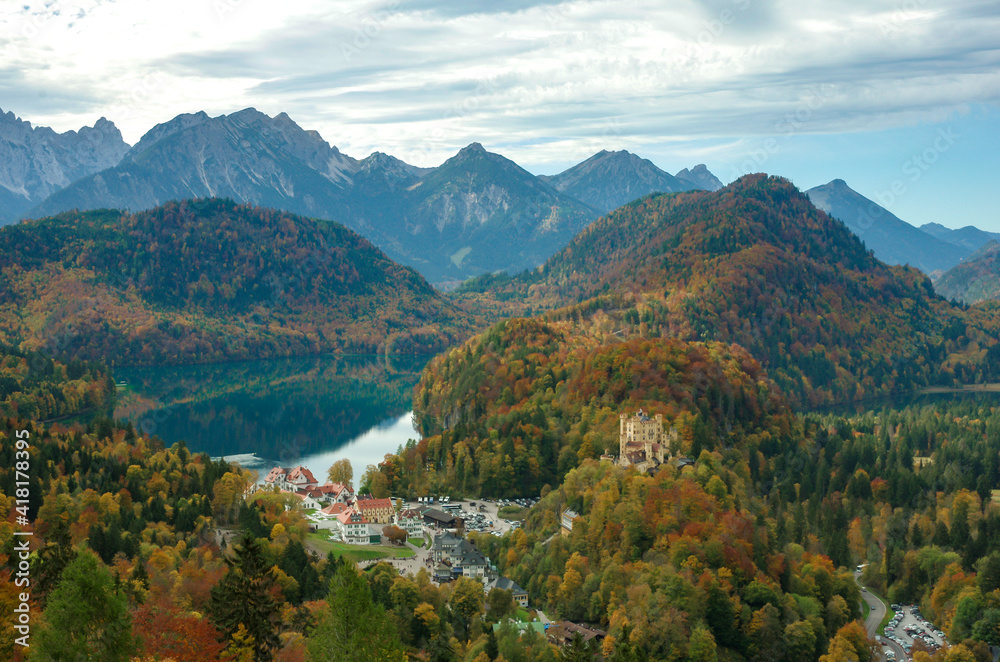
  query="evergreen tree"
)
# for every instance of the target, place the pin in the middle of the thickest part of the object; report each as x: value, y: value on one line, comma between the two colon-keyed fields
x: 54, y: 556
x: 989, y: 573
x: 86, y: 618
x: 353, y: 628
x: 440, y: 650
x: 577, y: 650
x: 960, y: 525
x: 721, y: 617
x: 244, y: 597
x: 492, y: 648
x: 941, y: 536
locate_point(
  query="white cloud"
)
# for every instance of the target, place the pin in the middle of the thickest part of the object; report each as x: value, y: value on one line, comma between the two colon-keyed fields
x: 419, y: 79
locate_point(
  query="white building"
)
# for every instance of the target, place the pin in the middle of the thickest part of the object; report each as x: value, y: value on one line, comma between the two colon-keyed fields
x: 411, y: 521
x: 354, y: 528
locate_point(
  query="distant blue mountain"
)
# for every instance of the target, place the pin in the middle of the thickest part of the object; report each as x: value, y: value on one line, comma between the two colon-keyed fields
x: 893, y: 240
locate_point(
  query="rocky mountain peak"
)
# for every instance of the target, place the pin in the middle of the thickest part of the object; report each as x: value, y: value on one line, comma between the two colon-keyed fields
x: 609, y: 179
x: 473, y: 148
x: 38, y: 161
x: 701, y: 177
x: 165, y: 130
x: 893, y: 240
x: 380, y: 164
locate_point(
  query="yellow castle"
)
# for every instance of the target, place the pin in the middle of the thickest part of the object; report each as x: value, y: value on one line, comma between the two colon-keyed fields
x: 642, y: 442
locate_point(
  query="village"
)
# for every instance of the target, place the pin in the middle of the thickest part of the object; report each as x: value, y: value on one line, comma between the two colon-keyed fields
x: 429, y: 533
x: 431, y: 538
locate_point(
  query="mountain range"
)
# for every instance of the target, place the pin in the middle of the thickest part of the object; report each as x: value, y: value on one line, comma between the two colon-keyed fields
x: 477, y: 212
x: 893, y: 240
x: 754, y: 263
x: 608, y: 180
x: 970, y: 237
x: 37, y: 161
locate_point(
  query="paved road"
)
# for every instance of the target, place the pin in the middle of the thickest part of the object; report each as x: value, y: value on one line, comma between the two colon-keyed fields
x: 877, y: 607
x: 875, y: 616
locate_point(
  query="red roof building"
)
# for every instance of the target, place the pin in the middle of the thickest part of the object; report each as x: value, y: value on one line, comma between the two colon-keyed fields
x: 335, y: 509
x: 275, y: 475
x: 300, y: 476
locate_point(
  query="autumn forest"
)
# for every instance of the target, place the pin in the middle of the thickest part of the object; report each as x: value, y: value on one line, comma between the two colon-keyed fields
x: 787, y: 359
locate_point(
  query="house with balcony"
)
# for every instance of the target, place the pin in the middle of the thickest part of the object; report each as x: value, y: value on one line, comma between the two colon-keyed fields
x: 411, y: 521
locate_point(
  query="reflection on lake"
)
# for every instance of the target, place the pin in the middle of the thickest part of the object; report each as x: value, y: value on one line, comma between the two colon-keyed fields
x: 308, y: 411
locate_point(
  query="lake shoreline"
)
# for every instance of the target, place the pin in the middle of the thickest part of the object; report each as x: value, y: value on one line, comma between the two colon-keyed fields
x: 966, y: 388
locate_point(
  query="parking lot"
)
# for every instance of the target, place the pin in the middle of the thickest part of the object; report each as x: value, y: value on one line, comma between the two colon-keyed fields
x: 482, y: 515
x: 909, y: 626
x: 479, y: 515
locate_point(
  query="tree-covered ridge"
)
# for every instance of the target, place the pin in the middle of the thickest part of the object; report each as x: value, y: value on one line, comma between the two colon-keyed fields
x: 209, y: 280
x: 757, y: 264
x: 677, y: 566
x: 517, y: 407
x: 975, y: 279
x: 34, y: 386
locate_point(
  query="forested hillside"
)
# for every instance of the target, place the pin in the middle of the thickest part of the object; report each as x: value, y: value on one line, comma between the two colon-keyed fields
x: 34, y: 386
x: 536, y: 400
x: 755, y: 263
x: 976, y: 279
x: 742, y: 555
x: 746, y: 545
x: 210, y: 280
x: 682, y: 567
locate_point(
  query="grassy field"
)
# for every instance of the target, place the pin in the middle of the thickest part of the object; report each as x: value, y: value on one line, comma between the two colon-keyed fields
x: 417, y: 542
x: 357, y: 552
x: 513, y: 512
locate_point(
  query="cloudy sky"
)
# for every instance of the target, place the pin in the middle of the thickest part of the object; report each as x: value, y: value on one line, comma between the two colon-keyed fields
x: 897, y: 97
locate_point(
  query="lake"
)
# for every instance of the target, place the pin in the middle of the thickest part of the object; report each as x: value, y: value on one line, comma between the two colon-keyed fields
x: 310, y: 411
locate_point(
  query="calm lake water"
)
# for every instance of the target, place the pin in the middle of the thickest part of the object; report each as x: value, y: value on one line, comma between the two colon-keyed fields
x: 310, y: 411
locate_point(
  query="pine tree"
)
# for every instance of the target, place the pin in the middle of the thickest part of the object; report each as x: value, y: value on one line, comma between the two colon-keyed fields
x: 244, y: 598
x: 353, y: 628
x: 54, y: 556
x: 86, y: 619
x: 440, y: 650
x: 492, y: 648
x: 577, y: 650
x: 989, y: 573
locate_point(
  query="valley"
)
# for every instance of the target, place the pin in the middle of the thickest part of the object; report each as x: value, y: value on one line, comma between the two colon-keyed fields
x: 820, y: 409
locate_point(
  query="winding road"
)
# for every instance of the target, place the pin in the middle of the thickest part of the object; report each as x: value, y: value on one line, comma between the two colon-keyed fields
x: 875, y: 616
x: 877, y: 607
